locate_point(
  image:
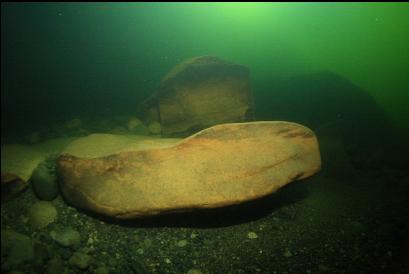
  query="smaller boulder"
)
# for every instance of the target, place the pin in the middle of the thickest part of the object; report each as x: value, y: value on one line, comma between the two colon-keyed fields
x: 102, y: 270
x: 80, y: 260
x: 155, y: 128
x: 44, y: 183
x: 67, y: 237
x: 134, y: 123
x: 41, y: 214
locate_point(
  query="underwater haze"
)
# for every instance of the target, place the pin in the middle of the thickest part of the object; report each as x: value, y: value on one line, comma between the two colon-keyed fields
x: 71, y: 58
x: 204, y: 138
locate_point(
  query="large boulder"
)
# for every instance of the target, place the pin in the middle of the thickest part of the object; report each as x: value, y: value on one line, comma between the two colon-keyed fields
x: 200, y: 92
x: 222, y: 165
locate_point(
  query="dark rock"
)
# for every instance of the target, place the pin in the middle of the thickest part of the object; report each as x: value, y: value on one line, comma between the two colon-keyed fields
x: 44, y: 183
x: 11, y: 185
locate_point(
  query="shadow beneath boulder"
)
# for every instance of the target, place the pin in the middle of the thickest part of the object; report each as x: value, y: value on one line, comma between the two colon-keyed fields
x: 219, y: 217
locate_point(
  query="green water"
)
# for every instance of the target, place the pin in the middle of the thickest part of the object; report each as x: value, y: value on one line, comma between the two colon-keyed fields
x: 61, y: 59
x: 70, y: 70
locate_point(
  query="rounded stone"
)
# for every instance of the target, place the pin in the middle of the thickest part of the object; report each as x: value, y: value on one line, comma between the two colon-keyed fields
x: 41, y: 214
x: 80, y: 260
x: 194, y: 271
x: 182, y: 243
x: 133, y: 123
x: 68, y: 237
x: 252, y: 235
x: 287, y: 253
x: 155, y: 128
x: 44, y: 183
x: 102, y: 270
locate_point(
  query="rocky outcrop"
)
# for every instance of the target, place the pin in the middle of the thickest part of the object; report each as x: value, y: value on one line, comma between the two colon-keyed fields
x: 222, y: 165
x: 198, y: 93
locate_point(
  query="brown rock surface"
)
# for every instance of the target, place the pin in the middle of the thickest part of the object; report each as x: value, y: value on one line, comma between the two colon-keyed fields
x: 200, y: 92
x: 219, y: 166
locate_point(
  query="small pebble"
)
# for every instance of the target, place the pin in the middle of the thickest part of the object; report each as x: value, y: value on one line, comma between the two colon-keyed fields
x: 252, y: 235
x: 287, y: 253
x: 182, y: 243
x: 194, y: 271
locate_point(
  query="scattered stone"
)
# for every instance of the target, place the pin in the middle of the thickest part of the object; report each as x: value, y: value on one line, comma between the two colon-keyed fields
x: 67, y: 237
x: 128, y: 184
x: 287, y: 253
x: 44, y: 183
x: 102, y: 270
x: 134, y: 123
x: 80, y: 260
x: 41, y: 214
x: 147, y: 243
x: 182, y: 243
x: 16, y: 250
x: 252, y: 235
x: 155, y: 128
x: 87, y: 249
x: 194, y: 271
